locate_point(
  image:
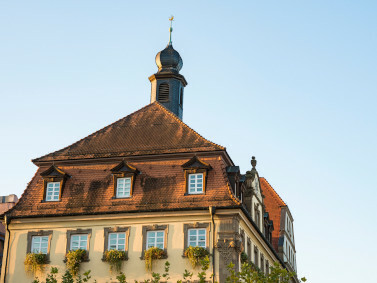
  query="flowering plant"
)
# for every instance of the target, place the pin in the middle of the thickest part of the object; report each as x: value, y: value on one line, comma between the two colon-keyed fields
x: 74, y: 259
x: 115, y: 259
x: 35, y: 261
x: 195, y: 255
x: 152, y: 254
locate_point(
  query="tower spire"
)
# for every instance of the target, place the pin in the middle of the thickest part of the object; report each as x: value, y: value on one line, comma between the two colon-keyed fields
x: 171, y: 19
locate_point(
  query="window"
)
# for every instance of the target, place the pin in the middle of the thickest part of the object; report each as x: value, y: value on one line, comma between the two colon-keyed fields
x: 181, y: 97
x: 117, y: 241
x: 53, y: 191
x: 155, y: 239
x: 39, y: 244
x: 262, y: 263
x: 256, y: 256
x: 197, y: 237
x: 195, y: 183
x: 116, y: 238
x: 79, y: 239
x: 79, y: 242
x: 196, y: 172
x: 124, y: 176
x: 267, y: 268
x: 53, y: 183
x: 154, y: 236
x: 123, y: 187
x: 249, y: 249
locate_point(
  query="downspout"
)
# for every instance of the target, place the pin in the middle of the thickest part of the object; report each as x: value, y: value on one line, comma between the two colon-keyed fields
x: 212, y: 211
x: 7, y: 221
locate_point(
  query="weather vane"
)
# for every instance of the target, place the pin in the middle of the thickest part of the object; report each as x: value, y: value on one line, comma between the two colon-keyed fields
x: 171, y: 28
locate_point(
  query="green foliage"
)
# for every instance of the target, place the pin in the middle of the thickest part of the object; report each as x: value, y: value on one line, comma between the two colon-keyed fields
x: 115, y: 258
x: 34, y: 262
x: 195, y: 255
x: 152, y: 254
x: 244, y: 257
x: 204, y: 263
x: 121, y: 278
x: 74, y: 259
x: 250, y: 274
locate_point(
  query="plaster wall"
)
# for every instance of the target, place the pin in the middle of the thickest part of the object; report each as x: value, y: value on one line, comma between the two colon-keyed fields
x: 134, y: 268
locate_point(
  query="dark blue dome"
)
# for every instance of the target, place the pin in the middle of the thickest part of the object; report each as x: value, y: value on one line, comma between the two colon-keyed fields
x: 169, y: 60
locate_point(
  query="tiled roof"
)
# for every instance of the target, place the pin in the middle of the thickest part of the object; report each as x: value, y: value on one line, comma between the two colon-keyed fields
x: 273, y: 203
x: 151, y: 130
x: 159, y: 186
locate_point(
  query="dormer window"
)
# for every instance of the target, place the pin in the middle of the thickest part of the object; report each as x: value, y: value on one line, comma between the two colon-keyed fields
x: 195, y: 183
x: 124, y: 178
x: 53, y: 191
x: 123, y: 187
x: 53, y: 179
x: 196, y: 174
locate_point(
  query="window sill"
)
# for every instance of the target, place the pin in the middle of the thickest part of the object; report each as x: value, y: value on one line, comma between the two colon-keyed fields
x: 122, y: 198
x: 50, y: 201
x: 194, y: 194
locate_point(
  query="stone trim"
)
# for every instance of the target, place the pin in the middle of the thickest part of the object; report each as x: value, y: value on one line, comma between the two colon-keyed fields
x: 116, y: 229
x: 155, y: 227
x: 79, y: 232
x: 32, y: 234
x: 195, y: 225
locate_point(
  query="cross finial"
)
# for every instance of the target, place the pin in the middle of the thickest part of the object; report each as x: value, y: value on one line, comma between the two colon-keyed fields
x: 171, y: 19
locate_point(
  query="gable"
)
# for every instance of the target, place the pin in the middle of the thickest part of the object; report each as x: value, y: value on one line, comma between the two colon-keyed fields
x: 151, y: 130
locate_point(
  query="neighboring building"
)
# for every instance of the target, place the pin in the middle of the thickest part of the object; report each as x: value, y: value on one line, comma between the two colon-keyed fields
x: 6, y: 202
x: 147, y: 180
x: 283, y: 238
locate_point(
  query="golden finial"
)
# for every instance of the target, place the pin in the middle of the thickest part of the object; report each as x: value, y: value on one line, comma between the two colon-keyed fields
x: 171, y: 19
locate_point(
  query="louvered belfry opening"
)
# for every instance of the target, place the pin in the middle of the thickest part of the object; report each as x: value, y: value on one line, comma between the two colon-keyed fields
x: 163, y: 92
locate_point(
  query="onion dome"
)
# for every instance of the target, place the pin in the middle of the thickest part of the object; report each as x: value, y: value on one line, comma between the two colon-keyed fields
x: 169, y: 60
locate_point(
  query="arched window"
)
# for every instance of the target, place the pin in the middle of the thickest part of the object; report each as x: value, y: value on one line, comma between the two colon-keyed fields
x: 163, y: 92
x: 181, y: 97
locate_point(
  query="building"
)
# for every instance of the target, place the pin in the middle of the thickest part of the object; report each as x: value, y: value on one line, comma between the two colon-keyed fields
x: 283, y: 239
x: 147, y: 180
x: 6, y: 202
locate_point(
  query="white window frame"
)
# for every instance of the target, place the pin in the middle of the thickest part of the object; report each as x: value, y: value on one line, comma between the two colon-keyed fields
x: 54, y: 189
x: 124, y: 188
x: 117, y: 244
x: 39, y: 247
x: 156, y: 243
x: 197, y: 237
x: 198, y: 188
x: 80, y: 241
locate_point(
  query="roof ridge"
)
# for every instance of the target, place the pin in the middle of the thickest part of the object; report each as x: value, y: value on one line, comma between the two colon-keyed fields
x: 92, y: 134
x: 184, y: 124
x: 276, y: 194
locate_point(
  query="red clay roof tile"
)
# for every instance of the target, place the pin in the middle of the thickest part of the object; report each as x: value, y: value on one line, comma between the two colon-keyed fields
x: 273, y: 203
x: 151, y: 130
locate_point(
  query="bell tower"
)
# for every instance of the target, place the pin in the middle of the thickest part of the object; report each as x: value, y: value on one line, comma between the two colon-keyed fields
x: 167, y: 85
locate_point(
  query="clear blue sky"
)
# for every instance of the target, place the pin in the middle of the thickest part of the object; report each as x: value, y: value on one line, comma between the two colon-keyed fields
x: 291, y: 82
